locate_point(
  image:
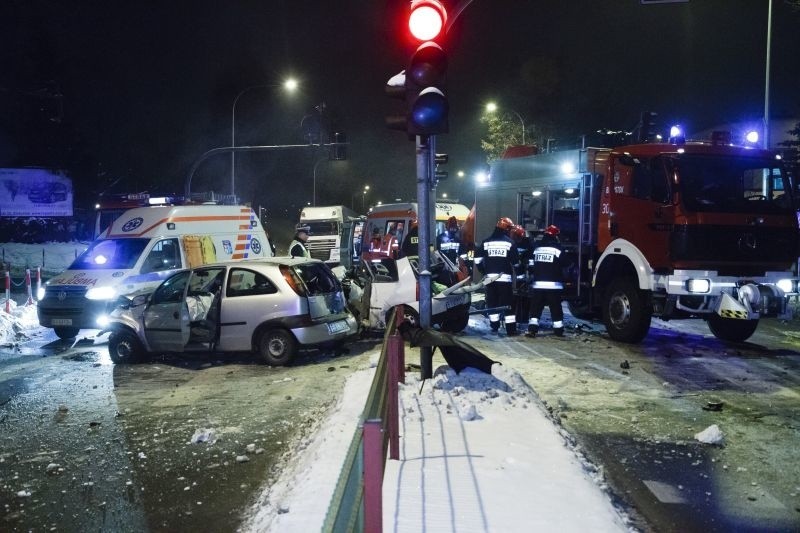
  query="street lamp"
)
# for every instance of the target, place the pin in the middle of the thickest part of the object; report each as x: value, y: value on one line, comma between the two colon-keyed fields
x: 491, y: 107
x: 364, y: 197
x: 290, y: 85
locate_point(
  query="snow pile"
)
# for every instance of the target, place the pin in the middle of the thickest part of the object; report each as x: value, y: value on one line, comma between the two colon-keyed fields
x: 711, y: 435
x: 298, y: 499
x: 477, y: 453
x: 16, y: 325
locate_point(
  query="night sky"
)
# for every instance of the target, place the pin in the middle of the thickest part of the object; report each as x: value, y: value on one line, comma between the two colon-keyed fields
x: 147, y: 87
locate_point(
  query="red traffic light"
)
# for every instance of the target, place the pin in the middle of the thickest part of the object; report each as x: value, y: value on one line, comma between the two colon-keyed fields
x: 427, y: 19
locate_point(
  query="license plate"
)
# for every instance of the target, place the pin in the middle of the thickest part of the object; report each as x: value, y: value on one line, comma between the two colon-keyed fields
x: 61, y: 322
x: 337, y: 327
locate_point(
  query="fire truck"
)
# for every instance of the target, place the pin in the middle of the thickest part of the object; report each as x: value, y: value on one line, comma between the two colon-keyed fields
x: 678, y: 229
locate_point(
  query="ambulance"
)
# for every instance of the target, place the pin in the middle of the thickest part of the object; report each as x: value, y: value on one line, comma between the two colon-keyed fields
x: 138, y: 251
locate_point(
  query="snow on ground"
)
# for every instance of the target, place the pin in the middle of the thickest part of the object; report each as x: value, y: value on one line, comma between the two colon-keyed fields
x: 477, y: 453
x: 16, y: 326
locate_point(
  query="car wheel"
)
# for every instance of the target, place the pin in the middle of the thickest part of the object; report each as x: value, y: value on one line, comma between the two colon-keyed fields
x: 410, y: 315
x: 277, y: 347
x: 731, y: 329
x: 66, y: 333
x: 627, y: 311
x: 124, y: 347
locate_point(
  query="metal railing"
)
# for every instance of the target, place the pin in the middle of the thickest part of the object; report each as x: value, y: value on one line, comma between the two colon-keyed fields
x: 357, y: 501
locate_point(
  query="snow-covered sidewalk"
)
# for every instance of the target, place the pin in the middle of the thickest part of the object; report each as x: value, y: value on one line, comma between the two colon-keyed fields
x: 477, y: 453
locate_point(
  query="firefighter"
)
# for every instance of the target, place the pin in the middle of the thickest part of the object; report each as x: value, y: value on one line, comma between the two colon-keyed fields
x: 522, y: 299
x: 298, y: 246
x: 545, y: 265
x: 449, y: 242
x: 410, y: 245
x: 498, y: 255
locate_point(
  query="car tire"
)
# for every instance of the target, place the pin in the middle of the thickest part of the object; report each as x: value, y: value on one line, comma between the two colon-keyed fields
x: 124, y: 347
x: 731, y: 329
x: 66, y: 332
x: 277, y: 347
x: 410, y: 315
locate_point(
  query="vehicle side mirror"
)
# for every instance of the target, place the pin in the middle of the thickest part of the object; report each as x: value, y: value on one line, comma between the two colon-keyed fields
x: 140, y: 300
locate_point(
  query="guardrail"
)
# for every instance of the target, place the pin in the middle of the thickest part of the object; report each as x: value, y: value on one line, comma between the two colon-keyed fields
x: 357, y: 501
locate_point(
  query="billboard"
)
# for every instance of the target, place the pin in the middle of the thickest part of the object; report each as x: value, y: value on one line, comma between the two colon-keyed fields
x: 35, y: 192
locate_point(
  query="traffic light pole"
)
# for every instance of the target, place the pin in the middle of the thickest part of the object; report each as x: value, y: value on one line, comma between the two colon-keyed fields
x: 425, y: 150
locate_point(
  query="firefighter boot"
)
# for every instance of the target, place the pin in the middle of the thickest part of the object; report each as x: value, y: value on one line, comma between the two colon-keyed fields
x: 533, y: 329
x: 558, y: 332
x: 511, y: 329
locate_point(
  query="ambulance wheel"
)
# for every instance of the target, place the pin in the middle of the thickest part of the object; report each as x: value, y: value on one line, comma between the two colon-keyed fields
x: 277, y: 347
x: 66, y: 333
x: 456, y: 324
x: 626, y: 311
x: 124, y: 347
x: 731, y: 329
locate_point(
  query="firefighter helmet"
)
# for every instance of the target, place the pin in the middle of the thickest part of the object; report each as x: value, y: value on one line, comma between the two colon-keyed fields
x: 552, y: 230
x: 517, y: 232
x: 505, y: 223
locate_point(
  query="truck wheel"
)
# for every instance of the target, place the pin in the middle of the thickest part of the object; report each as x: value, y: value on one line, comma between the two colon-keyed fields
x: 626, y: 311
x: 277, y: 347
x: 731, y: 329
x: 456, y: 324
x: 66, y: 333
x: 124, y: 347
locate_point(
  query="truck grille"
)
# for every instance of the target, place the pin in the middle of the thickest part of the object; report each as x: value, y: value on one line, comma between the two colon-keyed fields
x: 321, y: 249
x: 735, y: 244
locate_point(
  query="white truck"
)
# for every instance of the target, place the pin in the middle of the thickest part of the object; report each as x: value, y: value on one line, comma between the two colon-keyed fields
x: 138, y: 251
x: 334, y: 233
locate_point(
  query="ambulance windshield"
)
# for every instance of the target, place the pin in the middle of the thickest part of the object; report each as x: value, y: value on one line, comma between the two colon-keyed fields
x: 108, y: 254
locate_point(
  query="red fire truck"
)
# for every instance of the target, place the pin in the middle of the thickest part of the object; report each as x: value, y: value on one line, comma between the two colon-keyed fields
x: 670, y: 230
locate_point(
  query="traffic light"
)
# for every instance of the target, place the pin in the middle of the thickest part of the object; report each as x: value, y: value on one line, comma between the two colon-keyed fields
x: 438, y: 160
x: 338, y: 152
x: 647, y: 127
x: 422, y: 84
x: 425, y: 91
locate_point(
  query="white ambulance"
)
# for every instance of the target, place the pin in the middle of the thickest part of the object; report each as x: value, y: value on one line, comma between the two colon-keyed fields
x: 138, y: 251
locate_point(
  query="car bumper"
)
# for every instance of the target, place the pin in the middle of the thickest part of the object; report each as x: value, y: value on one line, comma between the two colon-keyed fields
x: 331, y: 331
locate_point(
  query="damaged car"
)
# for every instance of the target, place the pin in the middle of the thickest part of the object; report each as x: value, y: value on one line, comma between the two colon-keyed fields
x: 272, y: 307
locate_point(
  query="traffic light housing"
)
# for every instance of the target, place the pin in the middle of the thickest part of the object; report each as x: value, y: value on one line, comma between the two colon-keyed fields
x: 426, y: 77
x: 422, y: 84
x: 438, y: 160
x: 647, y: 127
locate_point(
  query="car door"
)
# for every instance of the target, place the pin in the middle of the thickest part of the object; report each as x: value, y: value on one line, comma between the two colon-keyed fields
x: 166, y: 317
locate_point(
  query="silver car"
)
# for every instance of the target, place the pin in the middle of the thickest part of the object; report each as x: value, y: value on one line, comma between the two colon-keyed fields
x: 271, y: 307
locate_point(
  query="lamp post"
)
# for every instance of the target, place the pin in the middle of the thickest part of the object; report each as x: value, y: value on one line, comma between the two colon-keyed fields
x: 491, y: 107
x: 314, y: 174
x: 289, y: 85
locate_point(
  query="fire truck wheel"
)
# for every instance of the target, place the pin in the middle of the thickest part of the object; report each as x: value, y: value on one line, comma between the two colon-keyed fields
x: 66, y: 333
x: 277, y: 347
x: 731, y: 329
x: 626, y: 311
x: 124, y: 347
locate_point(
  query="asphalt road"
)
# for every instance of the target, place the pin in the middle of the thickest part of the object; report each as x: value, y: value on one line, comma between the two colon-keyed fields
x: 89, y: 446
x: 634, y: 411
x: 86, y: 445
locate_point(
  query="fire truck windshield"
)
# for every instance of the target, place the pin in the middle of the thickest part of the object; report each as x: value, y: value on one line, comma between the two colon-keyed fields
x: 732, y: 184
x: 110, y: 254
